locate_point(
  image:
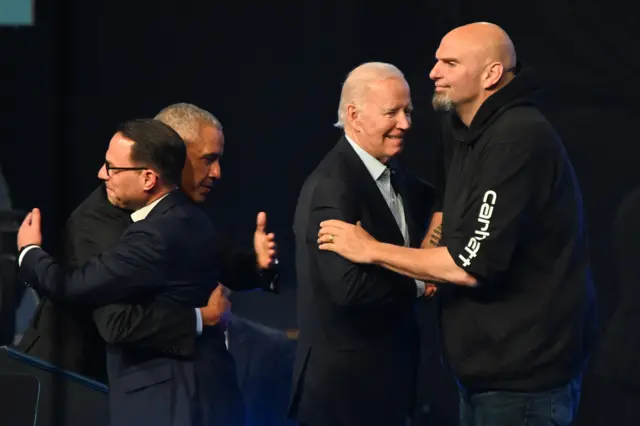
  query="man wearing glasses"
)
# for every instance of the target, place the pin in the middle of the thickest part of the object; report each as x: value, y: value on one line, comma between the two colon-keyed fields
x: 65, y: 334
x: 161, y: 258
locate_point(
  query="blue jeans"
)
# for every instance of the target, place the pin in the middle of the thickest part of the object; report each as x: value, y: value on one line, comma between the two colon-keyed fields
x: 554, y: 407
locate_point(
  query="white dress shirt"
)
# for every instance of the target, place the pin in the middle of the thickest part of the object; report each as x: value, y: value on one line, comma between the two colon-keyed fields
x: 381, y: 174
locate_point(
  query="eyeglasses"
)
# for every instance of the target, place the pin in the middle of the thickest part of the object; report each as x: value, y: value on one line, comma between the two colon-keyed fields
x: 109, y: 167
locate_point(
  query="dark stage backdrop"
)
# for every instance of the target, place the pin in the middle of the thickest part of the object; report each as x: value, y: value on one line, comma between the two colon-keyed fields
x: 271, y: 72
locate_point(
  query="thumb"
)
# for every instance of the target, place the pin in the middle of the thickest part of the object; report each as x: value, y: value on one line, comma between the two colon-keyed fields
x: 225, y: 290
x: 35, y: 219
x: 27, y: 219
x: 215, y: 293
x: 261, y: 221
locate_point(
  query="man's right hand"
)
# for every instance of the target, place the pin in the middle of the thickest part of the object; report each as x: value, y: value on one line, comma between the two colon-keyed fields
x: 218, y: 308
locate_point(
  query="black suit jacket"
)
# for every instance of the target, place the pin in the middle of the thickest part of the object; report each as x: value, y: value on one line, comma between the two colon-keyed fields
x: 357, y: 349
x: 166, y: 259
x: 264, y: 363
x: 64, y: 334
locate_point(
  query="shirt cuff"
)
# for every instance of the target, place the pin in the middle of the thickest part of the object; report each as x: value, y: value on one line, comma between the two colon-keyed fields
x: 198, y: 322
x: 420, y: 287
x: 25, y: 252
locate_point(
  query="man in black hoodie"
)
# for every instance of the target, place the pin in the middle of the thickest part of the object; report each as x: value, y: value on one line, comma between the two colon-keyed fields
x: 518, y: 317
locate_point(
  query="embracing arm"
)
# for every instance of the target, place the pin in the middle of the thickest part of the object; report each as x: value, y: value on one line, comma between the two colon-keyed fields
x: 152, y: 326
x: 164, y: 327
x: 348, y: 283
x: 134, y: 267
x: 428, y: 264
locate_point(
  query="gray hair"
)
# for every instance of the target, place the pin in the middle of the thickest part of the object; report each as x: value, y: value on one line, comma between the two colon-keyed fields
x: 358, y: 80
x: 186, y: 119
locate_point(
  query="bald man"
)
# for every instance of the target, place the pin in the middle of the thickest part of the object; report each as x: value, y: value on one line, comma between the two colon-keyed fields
x: 517, y: 299
x: 357, y: 347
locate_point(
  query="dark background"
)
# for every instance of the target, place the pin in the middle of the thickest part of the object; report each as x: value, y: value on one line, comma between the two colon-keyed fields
x: 271, y: 72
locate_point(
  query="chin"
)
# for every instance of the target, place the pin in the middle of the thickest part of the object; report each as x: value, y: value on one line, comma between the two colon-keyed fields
x: 442, y: 102
x: 199, y: 197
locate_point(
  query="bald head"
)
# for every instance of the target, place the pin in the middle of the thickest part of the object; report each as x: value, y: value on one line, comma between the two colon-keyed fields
x: 473, y: 62
x: 485, y: 42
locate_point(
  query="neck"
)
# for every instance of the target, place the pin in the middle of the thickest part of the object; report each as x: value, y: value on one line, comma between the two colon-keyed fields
x: 155, y: 195
x: 353, y: 135
x: 467, y: 112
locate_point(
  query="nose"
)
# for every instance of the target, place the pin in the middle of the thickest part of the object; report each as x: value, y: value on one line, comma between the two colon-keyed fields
x: 215, y: 172
x: 102, y: 173
x: 435, y: 72
x: 404, y: 121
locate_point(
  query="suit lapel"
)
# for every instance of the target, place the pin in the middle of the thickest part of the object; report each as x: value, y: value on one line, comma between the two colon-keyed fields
x: 370, y: 192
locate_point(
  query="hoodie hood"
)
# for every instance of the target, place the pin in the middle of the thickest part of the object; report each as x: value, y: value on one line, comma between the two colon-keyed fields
x: 520, y: 91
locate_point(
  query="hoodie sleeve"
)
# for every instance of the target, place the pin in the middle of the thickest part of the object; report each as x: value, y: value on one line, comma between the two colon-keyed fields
x: 495, y: 213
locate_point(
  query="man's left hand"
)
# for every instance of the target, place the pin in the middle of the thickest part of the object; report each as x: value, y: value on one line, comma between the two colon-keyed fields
x: 264, y: 244
x: 29, y: 232
x: 349, y: 241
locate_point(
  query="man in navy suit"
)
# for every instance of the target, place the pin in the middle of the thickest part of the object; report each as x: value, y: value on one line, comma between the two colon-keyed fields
x: 163, y: 257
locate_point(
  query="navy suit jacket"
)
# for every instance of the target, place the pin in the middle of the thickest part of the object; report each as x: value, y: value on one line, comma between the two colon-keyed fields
x: 165, y: 259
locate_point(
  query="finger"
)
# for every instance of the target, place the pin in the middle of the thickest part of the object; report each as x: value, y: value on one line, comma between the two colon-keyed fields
x: 335, y: 223
x: 271, y: 236
x: 327, y: 247
x: 359, y: 224
x: 261, y: 221
x: 271, y: 245
x: 272, y: 253
x: 329, y: 230
x: 325, y: 239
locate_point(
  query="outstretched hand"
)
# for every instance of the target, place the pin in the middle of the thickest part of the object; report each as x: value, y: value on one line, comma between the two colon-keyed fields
x: 264, y: 244
x: 30, y: 230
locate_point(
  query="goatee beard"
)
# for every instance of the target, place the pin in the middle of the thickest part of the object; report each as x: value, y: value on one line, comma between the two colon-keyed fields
x: 442, y: 103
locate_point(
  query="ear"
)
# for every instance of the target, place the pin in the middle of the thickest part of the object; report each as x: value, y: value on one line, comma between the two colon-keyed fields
x: 492, y: 75
x: 353, y: 116
x: 150, y: 179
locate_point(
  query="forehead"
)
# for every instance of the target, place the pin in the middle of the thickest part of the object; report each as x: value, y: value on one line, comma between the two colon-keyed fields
x: 389, y: 92
x: 119, y: 150
x: 458, y: 47
x: 210, y: 140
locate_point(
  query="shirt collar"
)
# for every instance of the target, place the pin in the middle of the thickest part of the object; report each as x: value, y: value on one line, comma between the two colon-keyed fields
x: 375, y: 167
x: 142, y: 213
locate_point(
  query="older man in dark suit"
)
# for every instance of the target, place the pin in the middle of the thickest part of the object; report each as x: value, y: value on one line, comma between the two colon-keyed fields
x: 358, y: 345
x: 164, y: 257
